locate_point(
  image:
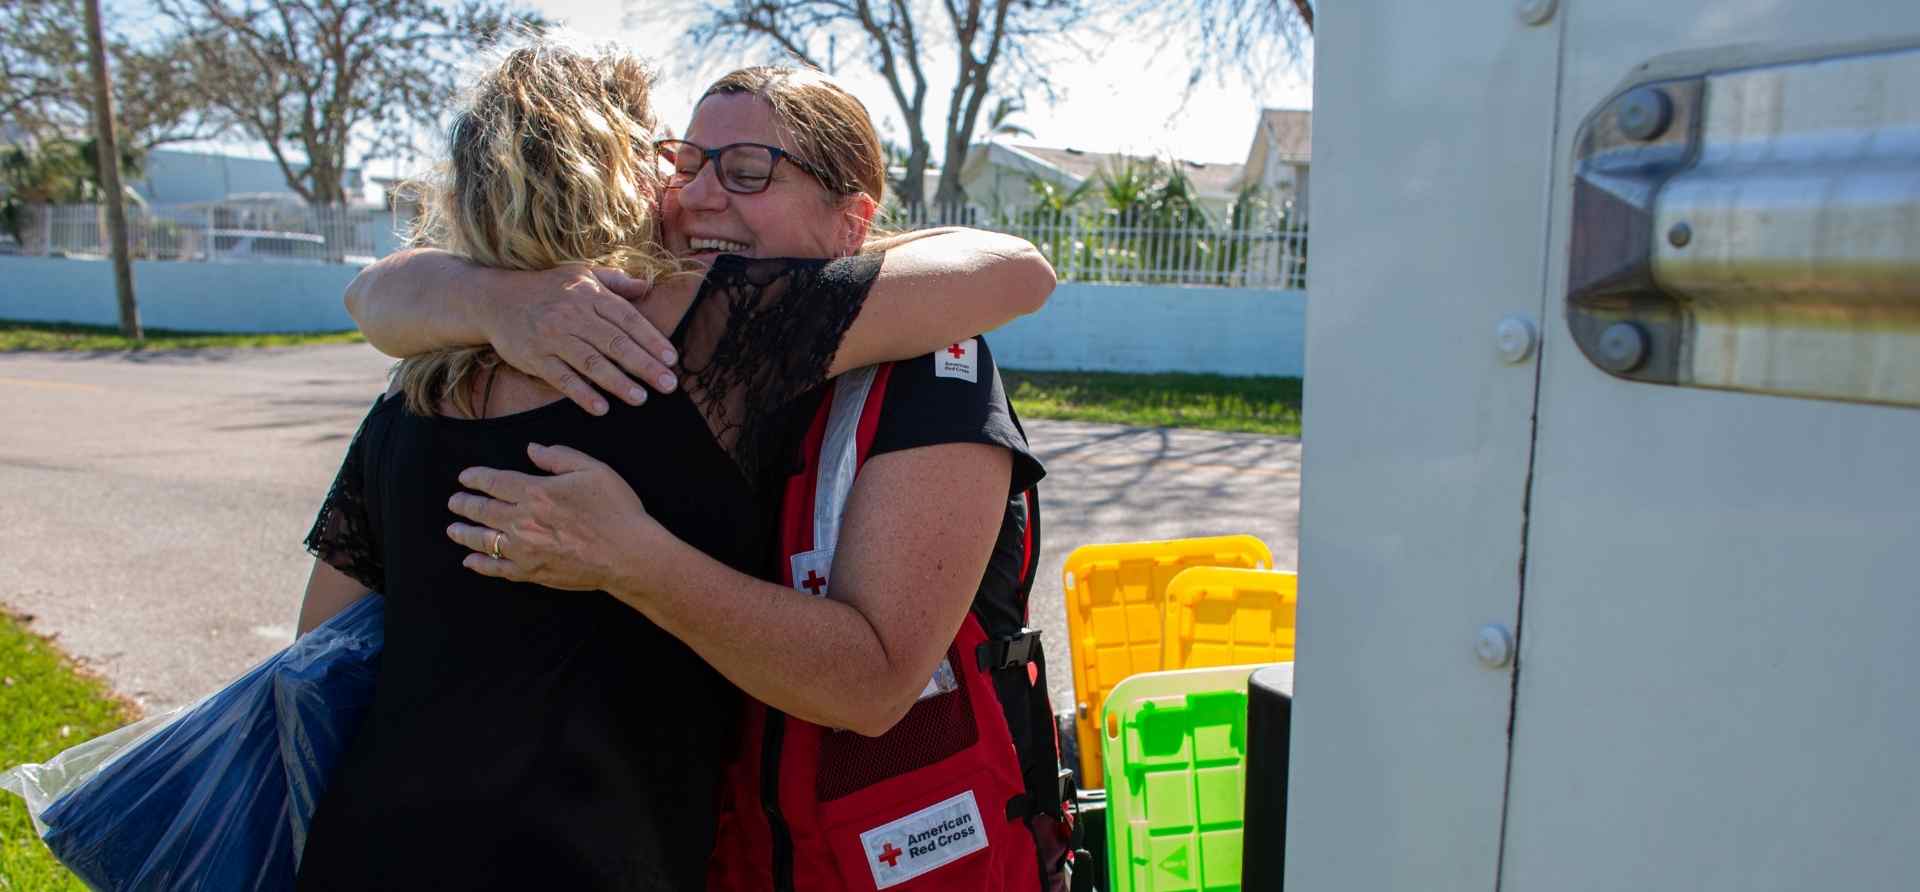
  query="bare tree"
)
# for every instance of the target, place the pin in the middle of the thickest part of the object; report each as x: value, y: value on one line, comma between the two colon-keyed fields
x: 40, y: 66
x: 309, y: 77
x: 994, y: 41
x: 984, y: 33
x: 45, y: 93
x: 1254, y: 37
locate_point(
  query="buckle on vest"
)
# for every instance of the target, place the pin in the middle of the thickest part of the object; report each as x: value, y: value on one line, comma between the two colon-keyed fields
x: 1008, y: 653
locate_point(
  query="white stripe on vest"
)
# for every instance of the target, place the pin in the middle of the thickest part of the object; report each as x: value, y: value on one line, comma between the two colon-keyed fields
x: 839, y: 461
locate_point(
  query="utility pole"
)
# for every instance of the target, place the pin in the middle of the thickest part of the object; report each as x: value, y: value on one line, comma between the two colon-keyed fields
x: 109, y: 155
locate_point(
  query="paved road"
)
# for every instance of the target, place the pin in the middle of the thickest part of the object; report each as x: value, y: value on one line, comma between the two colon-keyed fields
x: 152, y: 505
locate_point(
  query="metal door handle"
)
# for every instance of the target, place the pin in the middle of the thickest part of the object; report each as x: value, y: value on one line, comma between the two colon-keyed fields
x: 1755, y: 227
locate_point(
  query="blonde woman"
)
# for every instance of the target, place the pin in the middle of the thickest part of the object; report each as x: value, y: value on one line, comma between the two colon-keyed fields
x: 521, y: 738
x: 939, y: 531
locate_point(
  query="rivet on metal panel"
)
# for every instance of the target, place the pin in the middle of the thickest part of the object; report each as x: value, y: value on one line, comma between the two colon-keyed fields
x: 1494, y: 646
x: 1536, y: 12
x: 1680, y: 235
x: 1515, y: 338
x: 1644, y: 113
x: 1622, y: 348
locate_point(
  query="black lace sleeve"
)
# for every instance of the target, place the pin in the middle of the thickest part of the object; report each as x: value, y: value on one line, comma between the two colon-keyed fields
x: 343, y: 535
x: 763, y: 332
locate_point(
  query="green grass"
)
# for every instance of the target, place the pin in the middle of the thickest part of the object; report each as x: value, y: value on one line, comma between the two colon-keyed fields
x: 46, y: 705
x: 1210, y: 402
x: 45, y: 336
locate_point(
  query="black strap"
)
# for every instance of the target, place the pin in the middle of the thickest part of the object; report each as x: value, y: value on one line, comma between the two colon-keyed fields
x: 1009, y: 653
x: 1044, y: 796
x: 1049, y: 787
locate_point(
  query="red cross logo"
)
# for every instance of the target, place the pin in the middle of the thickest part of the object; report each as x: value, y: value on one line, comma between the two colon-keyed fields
x: 957, y: 350
x: 891, y: 855
x: 813, y: 583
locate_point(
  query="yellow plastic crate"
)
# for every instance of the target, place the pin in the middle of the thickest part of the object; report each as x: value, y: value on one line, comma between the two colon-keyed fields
x: 1221, y: 616
x: 1116, y: 602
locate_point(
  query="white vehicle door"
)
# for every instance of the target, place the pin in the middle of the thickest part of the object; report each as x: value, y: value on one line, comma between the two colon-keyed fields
x: 1635, y: 604
x: 1432, y: 164
x: 1718, y: 684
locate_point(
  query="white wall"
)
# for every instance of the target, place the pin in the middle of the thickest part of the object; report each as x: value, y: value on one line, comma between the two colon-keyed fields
x: 1126, y: 328
x: 1159, y: 328
x: 252, y: 297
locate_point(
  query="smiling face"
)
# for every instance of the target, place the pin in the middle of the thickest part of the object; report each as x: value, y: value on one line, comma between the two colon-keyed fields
x: 795, y: 217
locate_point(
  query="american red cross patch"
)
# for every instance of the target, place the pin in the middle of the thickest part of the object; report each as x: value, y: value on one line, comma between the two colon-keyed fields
x: 960, y: 360
x: 926, y: 840
x: 811, y: 570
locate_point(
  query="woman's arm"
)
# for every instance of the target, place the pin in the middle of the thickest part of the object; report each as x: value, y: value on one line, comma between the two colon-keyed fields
x: 329, y: 591
x: 573, y: 325
x: 901, y: 587
x: 567, y: 326
x: 941, y: 286
x: 901, y: 584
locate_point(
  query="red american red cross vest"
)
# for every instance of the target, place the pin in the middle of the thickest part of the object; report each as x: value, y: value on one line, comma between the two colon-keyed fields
x: 936, y: 803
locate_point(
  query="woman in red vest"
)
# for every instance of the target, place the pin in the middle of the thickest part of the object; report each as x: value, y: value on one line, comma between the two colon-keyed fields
x: 941, y: 773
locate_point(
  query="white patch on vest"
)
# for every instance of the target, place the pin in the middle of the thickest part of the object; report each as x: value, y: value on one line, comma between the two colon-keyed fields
x: 810, y: 571
x: 942, y: 681
x: 960, y: 360
x: 926, y: 840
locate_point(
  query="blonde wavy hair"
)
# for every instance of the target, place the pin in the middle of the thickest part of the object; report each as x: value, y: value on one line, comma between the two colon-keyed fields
x: 550, y: 162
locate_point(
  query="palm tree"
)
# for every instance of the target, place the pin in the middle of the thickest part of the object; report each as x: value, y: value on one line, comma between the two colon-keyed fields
x: 1126, y: 186
x: 1055, y: 200
x: 60, y: 171
x: 1051, y: 224
x: 897, y: 157
x: 999, y: 117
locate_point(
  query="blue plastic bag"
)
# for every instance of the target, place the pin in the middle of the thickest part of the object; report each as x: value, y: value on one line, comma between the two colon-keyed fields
x: 218, y: 795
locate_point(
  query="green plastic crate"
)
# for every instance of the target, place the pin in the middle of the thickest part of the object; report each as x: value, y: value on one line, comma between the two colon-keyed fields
x: 1175, y: 749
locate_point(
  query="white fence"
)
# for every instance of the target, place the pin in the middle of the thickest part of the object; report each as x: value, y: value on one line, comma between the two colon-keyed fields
x: 224, y: 232
x: 1100, y: 248
x: 1082, y: 247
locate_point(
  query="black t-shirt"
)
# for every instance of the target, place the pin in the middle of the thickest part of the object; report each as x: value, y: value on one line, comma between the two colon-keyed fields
x: 527, y: 738
x: 954, y: 395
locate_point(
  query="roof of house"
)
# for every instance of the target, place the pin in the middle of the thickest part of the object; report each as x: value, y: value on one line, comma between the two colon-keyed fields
x: 1290, y: 130
x: 1209, y: 178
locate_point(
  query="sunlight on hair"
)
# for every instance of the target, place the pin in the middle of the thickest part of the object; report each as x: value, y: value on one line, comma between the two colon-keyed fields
x: 550, y: 161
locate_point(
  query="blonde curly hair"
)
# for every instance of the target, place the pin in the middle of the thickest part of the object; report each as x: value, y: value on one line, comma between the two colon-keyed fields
x: 550, y: 162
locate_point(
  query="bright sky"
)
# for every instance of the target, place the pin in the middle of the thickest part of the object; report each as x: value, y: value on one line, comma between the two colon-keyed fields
x: 1126, y: 98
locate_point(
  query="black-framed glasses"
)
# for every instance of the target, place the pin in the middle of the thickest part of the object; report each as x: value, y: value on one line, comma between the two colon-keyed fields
x: 744, y: 167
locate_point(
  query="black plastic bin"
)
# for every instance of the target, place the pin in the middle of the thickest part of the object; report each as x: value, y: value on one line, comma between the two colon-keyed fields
x: 1263, y: 860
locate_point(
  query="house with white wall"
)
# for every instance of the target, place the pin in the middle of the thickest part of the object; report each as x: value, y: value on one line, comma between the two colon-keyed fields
x: 998, y: 176
x: 1281, y: 154
x: 177, y: 177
